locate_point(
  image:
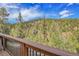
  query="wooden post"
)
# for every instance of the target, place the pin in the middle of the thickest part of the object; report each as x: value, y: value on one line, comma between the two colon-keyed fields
x: 23, y: 50
x: 4, y: 43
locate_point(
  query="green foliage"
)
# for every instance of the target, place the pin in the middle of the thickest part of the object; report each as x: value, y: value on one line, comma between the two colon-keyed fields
x: 3, y: 14
x: 62, y: 34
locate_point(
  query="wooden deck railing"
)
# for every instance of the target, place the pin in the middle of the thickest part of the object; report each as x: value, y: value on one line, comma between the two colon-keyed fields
x: 28, y: 48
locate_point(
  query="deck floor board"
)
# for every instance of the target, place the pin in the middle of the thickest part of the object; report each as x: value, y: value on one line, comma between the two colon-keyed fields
x: 4, y: 53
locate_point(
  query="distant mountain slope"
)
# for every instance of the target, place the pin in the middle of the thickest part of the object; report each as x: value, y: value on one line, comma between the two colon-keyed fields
x: 63, y: 34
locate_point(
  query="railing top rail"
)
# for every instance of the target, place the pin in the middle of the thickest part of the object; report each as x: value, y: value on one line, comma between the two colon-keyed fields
x: 40, y: 46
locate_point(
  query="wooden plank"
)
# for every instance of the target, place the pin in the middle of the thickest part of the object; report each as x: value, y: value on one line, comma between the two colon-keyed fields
x: 4, y: 53
x: 23, y: 50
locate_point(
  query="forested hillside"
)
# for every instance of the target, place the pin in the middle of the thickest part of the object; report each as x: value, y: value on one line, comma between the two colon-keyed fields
x: 63, y: 33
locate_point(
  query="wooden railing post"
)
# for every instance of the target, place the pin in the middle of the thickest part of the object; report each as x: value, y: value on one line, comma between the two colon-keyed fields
x: 4, y: 43
x: 23, y: 50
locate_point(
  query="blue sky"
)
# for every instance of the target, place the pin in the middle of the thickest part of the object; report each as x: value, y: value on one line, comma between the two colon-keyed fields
x: 31, y: 11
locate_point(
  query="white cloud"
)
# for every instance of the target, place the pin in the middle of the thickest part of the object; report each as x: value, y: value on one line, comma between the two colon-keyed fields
x: 12, y: 6
x: 65, y: 13
x: 8, y: 5
x: 28, y: 13
x: 70, y: 4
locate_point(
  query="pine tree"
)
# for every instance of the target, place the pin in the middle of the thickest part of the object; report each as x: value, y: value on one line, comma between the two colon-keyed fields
x: 20, y: 17
x: 3, y: 14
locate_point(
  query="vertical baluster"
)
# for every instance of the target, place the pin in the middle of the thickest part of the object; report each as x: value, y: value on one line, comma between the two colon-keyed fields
x: 24, y: 50
x: 30, y: 51
x: 36, y: 53
x: 39, y: 53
